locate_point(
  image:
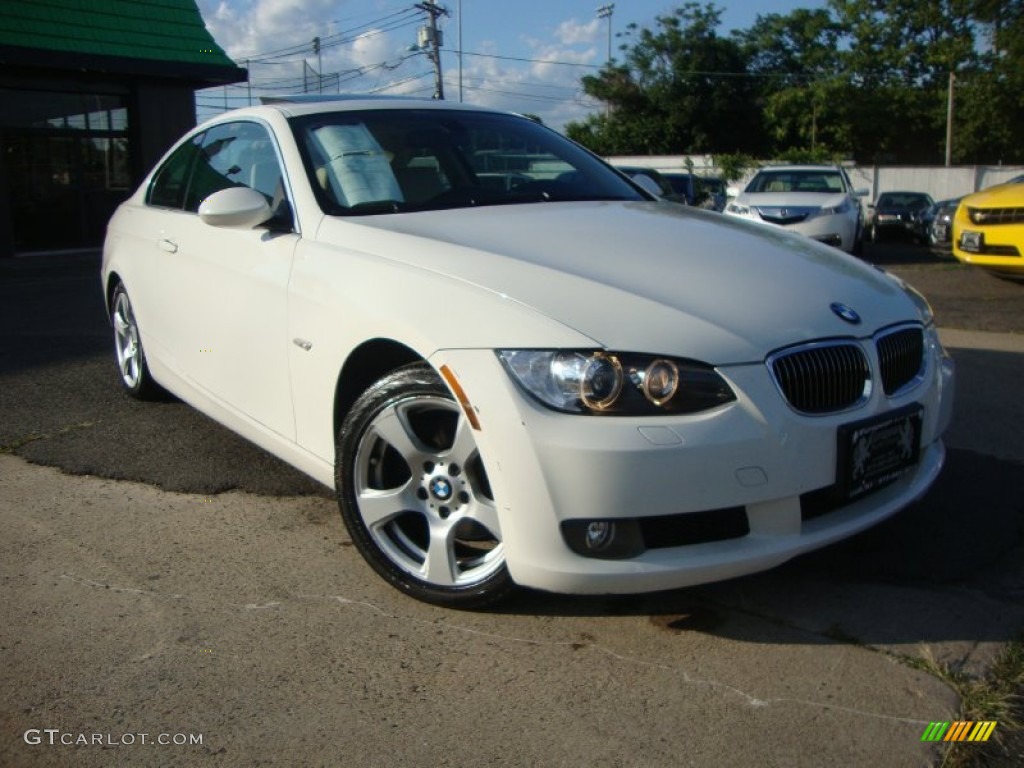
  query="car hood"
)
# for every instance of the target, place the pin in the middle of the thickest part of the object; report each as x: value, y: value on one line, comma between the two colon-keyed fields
x: 792, y: 199
x: 1003, y: 196
x: 643, y: 277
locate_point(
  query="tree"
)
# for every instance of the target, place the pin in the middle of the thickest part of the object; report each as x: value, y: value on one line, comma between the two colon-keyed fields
x: 681, y: 89
x: 794, y: 60
x: 897, y: 57
x: 989, y: 124
x: 862, y: 79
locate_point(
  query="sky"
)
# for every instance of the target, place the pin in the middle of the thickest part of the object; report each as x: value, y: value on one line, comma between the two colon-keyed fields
x: 523, y: 56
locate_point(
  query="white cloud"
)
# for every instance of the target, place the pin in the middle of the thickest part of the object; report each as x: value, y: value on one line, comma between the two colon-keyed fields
x: 571, y: 32
x: 373, y: 47
x: 249, y: 28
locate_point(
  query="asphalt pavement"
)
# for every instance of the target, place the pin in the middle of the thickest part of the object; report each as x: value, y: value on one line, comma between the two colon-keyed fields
x: 166, y: 581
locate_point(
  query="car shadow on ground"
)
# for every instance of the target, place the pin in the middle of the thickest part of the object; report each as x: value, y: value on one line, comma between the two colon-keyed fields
x: 894, y: 251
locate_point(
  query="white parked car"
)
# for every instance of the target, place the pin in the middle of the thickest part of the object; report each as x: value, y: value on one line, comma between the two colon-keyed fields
x: 513, y: 366
x: 817, y: 201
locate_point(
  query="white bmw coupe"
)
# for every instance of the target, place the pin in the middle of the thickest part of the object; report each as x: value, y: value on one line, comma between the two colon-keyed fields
x: 513, y: 365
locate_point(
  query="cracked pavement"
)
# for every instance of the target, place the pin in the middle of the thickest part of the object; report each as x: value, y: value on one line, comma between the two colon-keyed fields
x: 162, y: 576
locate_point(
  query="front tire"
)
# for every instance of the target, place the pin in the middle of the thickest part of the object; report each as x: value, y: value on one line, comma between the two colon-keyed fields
x: 414, y: 493
x: 131, y: 358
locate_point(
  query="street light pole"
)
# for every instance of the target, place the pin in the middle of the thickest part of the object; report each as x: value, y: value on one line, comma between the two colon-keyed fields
x: 460, y: 50
x: 605, y: 12
x: 319, y: 65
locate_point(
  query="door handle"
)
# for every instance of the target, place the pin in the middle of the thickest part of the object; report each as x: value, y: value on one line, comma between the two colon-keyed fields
x: 168, y: 245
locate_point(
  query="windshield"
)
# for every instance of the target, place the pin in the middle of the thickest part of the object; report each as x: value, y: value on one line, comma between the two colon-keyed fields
x: 797, y: 181
x: 390, y: 161
x: 903, y: 200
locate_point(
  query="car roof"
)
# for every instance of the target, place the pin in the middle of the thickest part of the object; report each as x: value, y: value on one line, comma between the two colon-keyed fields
x: 799, y: 168
x: 311, y: 104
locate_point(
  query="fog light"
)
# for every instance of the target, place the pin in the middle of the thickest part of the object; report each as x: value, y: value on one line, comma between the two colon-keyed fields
x: 600, y: 534
x: 604, y: 539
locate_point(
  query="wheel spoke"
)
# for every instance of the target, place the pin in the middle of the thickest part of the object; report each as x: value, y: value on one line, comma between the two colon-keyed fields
x: 120, y: 325
x: 464, y: 445
x: 485, y: 512
x: 380, y: 507
x: 439, y: 565
x: 393, y: 428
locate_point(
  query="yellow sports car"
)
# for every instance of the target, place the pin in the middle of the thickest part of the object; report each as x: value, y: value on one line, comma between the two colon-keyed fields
x: 988, y: 229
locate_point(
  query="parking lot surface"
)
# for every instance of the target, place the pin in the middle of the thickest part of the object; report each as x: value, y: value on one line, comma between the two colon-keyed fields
x: 174, y: 596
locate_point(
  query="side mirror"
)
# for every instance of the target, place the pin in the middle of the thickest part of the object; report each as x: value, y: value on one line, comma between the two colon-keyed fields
x: 731, y: 192
x: 235, y: 207
x: 862, y: 192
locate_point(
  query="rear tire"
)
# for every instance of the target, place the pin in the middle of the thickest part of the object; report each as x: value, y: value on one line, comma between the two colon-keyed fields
x: 131, y: 357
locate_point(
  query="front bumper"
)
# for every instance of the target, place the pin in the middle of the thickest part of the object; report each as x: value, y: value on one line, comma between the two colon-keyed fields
x: 837, y: 230
x: 999, y: 249
x: 755, y: 454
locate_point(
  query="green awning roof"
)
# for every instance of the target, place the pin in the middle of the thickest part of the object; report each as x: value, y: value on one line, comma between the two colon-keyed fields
x: 170, y: 32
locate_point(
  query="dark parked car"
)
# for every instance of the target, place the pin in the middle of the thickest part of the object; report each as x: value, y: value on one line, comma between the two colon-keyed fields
x: 895, y: 213
x: 701, y: 191
x: 650, y: 180
x: 935, y: 223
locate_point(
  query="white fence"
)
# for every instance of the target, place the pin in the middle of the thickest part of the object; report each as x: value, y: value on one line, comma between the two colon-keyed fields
x: 938, y: 181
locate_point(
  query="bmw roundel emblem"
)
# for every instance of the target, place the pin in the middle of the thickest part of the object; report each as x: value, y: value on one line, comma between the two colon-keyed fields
x: 846, y: 313
x: 441, y: 488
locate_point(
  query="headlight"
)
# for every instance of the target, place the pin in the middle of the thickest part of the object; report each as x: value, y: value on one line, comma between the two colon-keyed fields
x: 740, y: 210
x: 623, y: 384
x: 843, y: 207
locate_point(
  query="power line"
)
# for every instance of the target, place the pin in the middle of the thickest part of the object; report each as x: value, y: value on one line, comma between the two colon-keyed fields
x: 301, y: 50
x: 340, y: 38
x: 521, y: 95
x: 528, y: 61
x: 396, y: 83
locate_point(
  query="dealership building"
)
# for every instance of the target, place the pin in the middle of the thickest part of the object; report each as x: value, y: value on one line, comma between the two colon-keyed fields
x: 92, y: 92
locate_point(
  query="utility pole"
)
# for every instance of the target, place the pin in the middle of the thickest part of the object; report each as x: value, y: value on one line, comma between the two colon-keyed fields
x: 430, y: 38
x: 949, y: 121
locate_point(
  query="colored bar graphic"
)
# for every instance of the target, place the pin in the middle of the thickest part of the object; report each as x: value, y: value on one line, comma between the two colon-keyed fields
x: 982, y: 731
x: 960, y: 730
